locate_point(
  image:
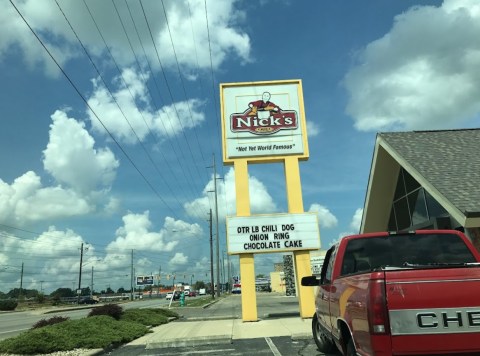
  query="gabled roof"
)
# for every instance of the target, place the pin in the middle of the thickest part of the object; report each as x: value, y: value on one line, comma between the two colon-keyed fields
x: 446, y: 163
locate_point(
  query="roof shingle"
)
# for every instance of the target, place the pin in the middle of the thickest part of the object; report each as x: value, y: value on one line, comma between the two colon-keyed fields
x: 449, y: 160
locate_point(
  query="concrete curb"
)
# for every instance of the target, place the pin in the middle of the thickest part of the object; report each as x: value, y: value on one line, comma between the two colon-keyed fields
x: 191, y: 342
x: 302, y: 336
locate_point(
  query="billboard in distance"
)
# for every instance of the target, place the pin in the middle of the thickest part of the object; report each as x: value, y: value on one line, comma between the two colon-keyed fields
x: 144, y: 280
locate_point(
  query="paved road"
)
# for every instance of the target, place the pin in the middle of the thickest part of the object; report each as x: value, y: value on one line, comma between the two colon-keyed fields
x: 14, y: 323
x: 269, y: 305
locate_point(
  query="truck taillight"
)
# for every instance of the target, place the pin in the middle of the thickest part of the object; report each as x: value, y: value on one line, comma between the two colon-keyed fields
x: 377, y: 308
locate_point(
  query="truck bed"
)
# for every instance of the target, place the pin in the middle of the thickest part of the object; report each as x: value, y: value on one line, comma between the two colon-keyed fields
x: 440, y: 301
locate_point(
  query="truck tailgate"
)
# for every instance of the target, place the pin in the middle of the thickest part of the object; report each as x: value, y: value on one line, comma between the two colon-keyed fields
x: 434, y: 311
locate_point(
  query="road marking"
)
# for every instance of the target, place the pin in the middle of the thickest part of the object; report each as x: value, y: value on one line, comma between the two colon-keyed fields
x: 272, y: 347
x: 176, y: 353
x: 12, y: 331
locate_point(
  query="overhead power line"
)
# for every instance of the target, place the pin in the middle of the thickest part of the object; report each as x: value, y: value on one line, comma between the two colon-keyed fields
x: 91, y: 109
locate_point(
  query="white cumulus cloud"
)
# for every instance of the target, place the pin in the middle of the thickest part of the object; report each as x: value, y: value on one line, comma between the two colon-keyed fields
x: 179, y: 259
x: 356, y: 220
x: 325, y: 217
x: 128, y: 114
x: 260, y: 199
x: 186, y: 28
x: 423, y: 74
x: 136, y: 233
x: 82, y: 176
x: 70, y: 156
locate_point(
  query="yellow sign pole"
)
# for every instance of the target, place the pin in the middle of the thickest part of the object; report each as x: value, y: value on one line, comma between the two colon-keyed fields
x: 247, y: 265
x: 241, y: 144
x: 301, y: 258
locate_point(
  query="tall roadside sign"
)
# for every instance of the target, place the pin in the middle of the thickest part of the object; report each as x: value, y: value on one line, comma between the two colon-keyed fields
x: 264, y: 122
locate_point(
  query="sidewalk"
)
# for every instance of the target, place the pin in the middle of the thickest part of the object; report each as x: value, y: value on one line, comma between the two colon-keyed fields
x: 193, y: 333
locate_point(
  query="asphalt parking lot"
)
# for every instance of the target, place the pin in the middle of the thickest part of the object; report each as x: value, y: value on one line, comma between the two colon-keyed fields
x: 277, y: 346
x: 271, y: 308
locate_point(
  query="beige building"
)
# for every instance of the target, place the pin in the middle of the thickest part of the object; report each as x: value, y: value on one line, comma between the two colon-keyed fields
x: 277, y: 282
x: 277, y: 278
x: 424, y: 180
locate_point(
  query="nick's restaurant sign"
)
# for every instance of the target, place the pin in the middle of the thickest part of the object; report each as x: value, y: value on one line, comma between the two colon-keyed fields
x: 263, y: 120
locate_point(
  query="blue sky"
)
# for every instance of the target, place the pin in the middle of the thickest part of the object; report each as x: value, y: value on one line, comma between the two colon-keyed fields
x: 111, y: 117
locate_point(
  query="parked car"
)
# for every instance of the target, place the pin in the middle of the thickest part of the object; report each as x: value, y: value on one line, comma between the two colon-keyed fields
x: 192, y: 293
x: 88, y: 300
x: 237, y: 290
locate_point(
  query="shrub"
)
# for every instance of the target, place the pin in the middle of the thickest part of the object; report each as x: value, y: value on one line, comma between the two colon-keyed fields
x: 56, y: 299
x: 40, y: 298
x: 148, y: 317
x: 8, y: 304
x: 51, y: 321
x: 89, y: 333
x: 113, y: 310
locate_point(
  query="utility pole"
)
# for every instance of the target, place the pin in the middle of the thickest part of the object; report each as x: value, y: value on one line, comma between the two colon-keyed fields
x: 229, y: 281
x: 80, y: 275
x: 216, y: 225
x: 91, y: 285
x: 211, y: 257
x: 159, y: 278
x: 223, y: 270
x: 21, y: 283
x: 131, y: 278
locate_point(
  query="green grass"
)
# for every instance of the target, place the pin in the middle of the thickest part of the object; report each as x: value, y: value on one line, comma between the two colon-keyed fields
x: 89, y: 333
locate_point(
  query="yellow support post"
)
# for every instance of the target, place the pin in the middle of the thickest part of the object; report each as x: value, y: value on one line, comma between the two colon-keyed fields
x: 294, y: 186
x: 249, y: 298
x: 301, y: 258
x: 306, y: 296
x: 247, y: 265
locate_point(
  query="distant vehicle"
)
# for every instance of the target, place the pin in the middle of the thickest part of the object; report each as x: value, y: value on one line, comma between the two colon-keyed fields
x: 237, y: 290
x: 202, y: 291
x: 192, y: 294
x: 176, y: 296
x: 88, y: 300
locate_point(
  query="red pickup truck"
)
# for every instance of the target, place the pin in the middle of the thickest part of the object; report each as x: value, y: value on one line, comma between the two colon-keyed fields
x: 403, y: 293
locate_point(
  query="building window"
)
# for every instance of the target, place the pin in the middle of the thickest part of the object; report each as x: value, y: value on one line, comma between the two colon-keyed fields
x: 402, y: 213
x: 434, y: 208
x: 410, y: 183
x: 400, y: 189
x: 392, y: 222
x: 412, y: 205
x: 417, y: 206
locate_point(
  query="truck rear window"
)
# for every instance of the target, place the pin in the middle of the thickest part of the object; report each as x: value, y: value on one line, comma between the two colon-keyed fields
x: 363, y: 254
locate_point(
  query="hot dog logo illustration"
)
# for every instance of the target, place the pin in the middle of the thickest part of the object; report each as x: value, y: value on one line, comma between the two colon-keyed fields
x: 263, y: 117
